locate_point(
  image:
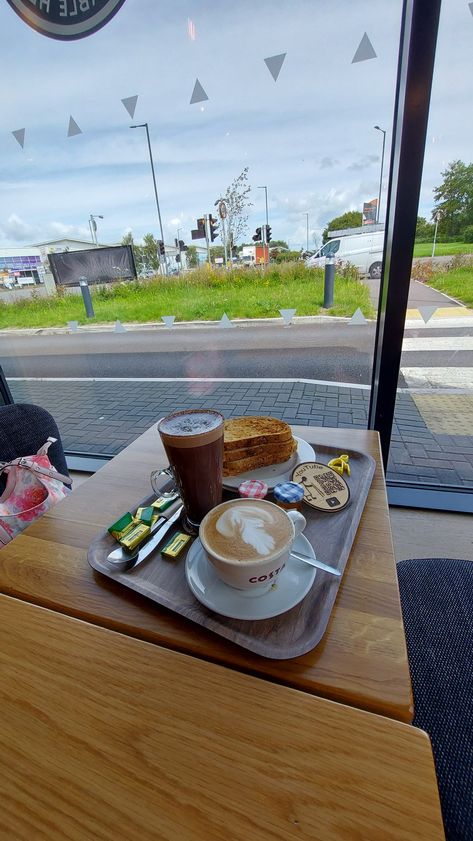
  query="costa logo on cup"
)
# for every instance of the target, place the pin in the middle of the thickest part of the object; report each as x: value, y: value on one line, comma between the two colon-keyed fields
x: 260, y: 579
x: 66, y: 20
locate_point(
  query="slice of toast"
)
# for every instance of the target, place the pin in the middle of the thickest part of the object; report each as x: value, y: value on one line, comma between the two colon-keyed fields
x: 256, y: 450
x: 243, y: 465
x: 253, y: 430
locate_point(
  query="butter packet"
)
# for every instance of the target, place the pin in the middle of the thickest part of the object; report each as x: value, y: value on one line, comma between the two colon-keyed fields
x: 118, y: 529
x: 145, y: 515
x: 175, y: 545
x: 164, y: 502
x: 134, y: 536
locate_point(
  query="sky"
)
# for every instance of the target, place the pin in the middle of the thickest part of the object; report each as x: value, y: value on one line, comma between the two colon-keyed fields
x: 309, y: 136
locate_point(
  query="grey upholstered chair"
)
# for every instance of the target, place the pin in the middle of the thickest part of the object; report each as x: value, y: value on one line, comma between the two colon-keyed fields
x: 437, y: 606
x: 24, y: 427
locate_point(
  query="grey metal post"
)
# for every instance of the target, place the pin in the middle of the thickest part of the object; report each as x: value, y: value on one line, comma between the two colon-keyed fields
x: 162, y: 263
x: 267, y: 216
x: 207, y: 238
x: 381, y: 174
x: 84, y: 288
x: 329, y: 281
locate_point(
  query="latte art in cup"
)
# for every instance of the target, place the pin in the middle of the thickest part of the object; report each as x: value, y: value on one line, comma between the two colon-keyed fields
x: 248, y: 542
x: 244, y: 531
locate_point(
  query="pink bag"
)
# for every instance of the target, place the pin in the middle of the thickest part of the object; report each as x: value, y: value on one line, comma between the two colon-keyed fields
x: 33, y: 487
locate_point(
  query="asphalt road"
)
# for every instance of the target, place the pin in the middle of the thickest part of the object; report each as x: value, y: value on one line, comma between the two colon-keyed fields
x: 332, y: 352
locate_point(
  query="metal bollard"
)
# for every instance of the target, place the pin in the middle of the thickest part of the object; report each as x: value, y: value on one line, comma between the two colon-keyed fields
x: 84, y: 288
x: 329, y: 281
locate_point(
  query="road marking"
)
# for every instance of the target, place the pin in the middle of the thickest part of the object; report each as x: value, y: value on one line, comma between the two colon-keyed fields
x: 438, y: 343
x: 435, y: 378
x: 438, y: 323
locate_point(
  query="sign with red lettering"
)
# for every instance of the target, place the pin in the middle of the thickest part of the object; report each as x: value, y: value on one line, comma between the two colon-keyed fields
x: 66, y: 20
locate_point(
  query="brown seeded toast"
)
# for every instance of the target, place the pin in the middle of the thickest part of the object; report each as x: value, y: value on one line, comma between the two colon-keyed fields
x: 254, y: 430
x: 263, y: 459
x: 258, y: 449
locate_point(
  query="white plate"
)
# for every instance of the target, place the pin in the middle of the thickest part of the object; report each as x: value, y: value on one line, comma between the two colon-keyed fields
x: 275, y: 473
x: 293, y: 583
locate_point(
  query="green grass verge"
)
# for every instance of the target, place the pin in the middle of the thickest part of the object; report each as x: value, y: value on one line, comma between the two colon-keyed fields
x: 424, y: 249
x: 458, y: 283
x: 202, y: 295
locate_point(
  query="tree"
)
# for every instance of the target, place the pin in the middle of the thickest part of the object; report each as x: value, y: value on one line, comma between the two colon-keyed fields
x: 237, y: 199
x: 191, y: 257
x: 150, y: 252
x: 454, y: 200
x: 137, y: 251
x: 278, y: 243
x: 351, y: 219
x: 216, y: 251
x: 424, y: 230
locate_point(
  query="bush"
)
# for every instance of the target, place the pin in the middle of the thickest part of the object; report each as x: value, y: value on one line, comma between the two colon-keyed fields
x: 348, y: 271
x: 468, y: 234
x: 422, y: 271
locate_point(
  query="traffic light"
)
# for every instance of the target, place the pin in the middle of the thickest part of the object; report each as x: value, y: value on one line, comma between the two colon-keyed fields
x: 258, y: 235
x: 199, y: 232
x: 268, y: 234
x: 213, y: 227
x: 161, y: 248
x: 177, y: 258
x: 182, y: 245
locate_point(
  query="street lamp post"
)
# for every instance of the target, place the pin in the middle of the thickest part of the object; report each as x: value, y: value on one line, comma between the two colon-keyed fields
x: 307, y: 232
x: 382, y: 164
x: 145, y: 126
x: 267, y: 219
x: 93, y: 226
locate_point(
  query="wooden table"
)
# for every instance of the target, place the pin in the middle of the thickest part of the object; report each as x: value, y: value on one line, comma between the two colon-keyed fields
x: 109, y: 738
x: 362, y: 659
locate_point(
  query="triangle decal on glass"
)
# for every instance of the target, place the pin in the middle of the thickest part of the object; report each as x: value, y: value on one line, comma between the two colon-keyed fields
x: 198, y: 94
x: 357, y: 317
x: 274, y: 64
x: 287, y: 316
x: 365, y: 50
x: 427, y: 313
x: 168, y: 320
x: 119, y: 328
x: 73, y: 128
x: 19, y: 136
x: 225, y: 321
x: 130, y: 104
x: 73, y: 326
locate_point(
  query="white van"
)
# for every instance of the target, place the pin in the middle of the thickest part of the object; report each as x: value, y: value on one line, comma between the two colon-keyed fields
x: 363, y: 250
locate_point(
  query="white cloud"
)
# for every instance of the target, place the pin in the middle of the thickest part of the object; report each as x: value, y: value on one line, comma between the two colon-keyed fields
x: 309, y: 137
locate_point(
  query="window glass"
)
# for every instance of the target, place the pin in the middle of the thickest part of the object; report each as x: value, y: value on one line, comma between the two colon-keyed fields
x: 432, y: 442
x: 172, y: 125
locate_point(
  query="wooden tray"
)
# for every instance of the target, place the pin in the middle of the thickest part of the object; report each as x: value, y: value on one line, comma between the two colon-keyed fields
x: 290, y: 634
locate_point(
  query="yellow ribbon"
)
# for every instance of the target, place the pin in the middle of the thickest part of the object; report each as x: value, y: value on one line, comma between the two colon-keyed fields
x: 340, y: 464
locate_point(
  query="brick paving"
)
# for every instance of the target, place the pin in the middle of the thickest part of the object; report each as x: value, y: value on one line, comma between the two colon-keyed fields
x: 104, y: 417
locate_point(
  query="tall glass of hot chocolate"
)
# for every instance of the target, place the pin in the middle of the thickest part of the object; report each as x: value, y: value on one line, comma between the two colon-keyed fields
x: 193, y: 440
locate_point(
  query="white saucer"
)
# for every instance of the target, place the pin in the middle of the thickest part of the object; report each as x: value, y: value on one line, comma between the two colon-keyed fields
x: 275, y: 473
x: 293, y: 583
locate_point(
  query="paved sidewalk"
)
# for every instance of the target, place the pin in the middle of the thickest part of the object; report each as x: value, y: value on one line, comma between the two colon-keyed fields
x: 104, y: 417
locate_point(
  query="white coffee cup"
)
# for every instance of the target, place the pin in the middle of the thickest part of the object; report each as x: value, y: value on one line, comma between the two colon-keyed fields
x: 248, y: 541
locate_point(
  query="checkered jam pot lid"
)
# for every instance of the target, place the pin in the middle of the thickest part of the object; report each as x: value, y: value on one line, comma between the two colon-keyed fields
x: 253, y: 488
x: 288, y: 492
